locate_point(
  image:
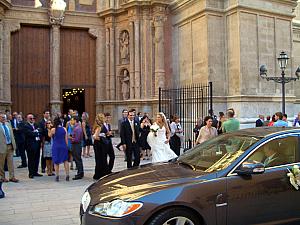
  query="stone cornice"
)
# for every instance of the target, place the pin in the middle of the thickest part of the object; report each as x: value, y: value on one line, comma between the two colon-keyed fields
x: 259, y: 98
x: 5, y: 4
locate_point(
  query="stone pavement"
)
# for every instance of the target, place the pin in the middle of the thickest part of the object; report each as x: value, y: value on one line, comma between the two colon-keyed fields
x: 42, y: 201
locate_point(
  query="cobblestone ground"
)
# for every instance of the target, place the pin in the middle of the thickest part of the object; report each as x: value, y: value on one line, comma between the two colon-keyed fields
x: 42, y: 201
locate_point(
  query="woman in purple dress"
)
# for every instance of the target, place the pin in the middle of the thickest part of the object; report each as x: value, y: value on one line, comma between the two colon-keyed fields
x: 59, y: 148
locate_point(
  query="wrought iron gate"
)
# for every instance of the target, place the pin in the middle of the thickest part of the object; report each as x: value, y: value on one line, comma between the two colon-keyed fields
x: 190, y: 103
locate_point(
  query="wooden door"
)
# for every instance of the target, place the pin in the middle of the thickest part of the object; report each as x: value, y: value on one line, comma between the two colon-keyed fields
x: 30, y: 69
x: 78, y: 65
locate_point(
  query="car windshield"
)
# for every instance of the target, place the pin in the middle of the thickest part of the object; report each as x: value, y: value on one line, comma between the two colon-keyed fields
x: 217, y: 153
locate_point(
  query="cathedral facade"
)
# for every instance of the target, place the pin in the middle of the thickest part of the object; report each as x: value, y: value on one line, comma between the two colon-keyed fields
x: 106, y: 55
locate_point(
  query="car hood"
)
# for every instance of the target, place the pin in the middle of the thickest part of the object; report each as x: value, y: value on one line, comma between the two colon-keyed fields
x: 133, y: 184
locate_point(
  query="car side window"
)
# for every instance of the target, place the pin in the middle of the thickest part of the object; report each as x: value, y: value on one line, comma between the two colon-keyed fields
x: 277, y: 152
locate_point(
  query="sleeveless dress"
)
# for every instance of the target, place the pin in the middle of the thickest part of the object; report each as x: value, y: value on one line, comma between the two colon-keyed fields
x: 59, y: 147
x: 160, y: 151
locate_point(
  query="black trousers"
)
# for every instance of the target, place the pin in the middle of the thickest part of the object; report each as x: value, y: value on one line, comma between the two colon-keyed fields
x: 33, y: 155
x: 76, y: 153
x: 111, y: 155
x: 21, y: 147
x: 175, y: 144
x: 101, y: 165
x: 135, y: 150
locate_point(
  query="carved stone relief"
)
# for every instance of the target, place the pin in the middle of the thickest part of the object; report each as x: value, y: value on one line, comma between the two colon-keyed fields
x: 124, y: 47
x: 125, y: 84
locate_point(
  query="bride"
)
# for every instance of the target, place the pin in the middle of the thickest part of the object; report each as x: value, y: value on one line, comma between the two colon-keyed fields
x: 159, y: 138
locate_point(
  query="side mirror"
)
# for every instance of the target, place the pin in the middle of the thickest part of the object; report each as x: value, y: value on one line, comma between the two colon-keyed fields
x: 249, y: 168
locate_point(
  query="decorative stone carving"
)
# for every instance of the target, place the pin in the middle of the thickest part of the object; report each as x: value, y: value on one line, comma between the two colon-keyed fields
x: 94, y: 32
x: 57, y: 12
x: 125, y: 84
x: 124, y: 47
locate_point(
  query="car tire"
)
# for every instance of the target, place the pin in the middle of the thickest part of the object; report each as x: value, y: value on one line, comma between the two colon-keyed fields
x: 173, y: 214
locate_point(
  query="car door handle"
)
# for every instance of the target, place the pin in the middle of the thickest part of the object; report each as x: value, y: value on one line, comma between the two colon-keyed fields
x: 221, y: 200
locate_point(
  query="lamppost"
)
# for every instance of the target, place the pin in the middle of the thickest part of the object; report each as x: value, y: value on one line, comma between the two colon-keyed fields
x: 57, y: 12
x: 282, y: 61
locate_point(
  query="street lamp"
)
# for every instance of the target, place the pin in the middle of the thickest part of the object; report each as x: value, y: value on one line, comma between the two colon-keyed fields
x: 282, y: 61
x: 57, y: 12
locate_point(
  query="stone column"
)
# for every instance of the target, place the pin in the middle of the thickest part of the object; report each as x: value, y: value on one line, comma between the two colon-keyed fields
x: 99, y: 33
x: 5, y: 89
x: 1, y: 57
x: 137, y: 61
x: 132, y: 58
x: 107, y: 88
x: 112, y: 64
x: 55, y: 101
x: 159, y: 54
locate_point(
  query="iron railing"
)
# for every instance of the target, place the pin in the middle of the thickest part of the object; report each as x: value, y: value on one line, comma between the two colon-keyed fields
x: 190, y: 103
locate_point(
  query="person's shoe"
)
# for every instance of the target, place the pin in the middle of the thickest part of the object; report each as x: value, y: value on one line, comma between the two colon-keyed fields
x: 78, y: 177
x: 4, y: 180
x: 31, y: 176
x: 21, y: 166
x: 67, y: 178
x: 38, y: 175
x: 15, y: 180
x: 57, y: 178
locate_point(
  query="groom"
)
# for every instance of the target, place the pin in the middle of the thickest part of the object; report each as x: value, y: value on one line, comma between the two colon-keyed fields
x: 129, y: 138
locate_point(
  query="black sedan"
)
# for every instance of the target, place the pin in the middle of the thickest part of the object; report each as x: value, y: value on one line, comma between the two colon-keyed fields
x: 246, y: 177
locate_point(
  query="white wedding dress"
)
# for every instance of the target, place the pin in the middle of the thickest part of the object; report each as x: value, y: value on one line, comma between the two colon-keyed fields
x: 160, y: 150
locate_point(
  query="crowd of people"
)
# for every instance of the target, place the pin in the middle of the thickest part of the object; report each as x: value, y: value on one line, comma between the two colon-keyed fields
x: 57, y: 140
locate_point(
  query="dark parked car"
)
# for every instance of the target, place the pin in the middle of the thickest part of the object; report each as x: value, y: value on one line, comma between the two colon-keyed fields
x: 236, y: 178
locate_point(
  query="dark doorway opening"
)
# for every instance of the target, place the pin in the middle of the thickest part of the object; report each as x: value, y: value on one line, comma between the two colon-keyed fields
x: 73, y: 99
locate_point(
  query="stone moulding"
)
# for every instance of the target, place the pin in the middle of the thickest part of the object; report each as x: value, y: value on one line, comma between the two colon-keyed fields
x: 5, y: 4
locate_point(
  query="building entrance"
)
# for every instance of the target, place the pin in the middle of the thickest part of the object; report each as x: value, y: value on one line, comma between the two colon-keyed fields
x: 73, y: 99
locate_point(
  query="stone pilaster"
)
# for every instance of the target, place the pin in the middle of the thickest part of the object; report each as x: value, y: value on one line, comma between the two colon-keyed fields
x: 112, y: 64
x: 159, y: 54
x: 5, y: 77
x: 107, y: 50
x: 99, y: 33
x: 55, y: 101
x: 137, y: 61
x: 131, y: 73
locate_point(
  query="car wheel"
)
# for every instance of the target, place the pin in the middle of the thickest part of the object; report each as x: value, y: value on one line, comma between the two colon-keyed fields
x: 175, y: 216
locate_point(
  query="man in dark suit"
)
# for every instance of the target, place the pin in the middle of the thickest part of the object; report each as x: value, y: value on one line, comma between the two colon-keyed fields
x: 14, y: 125
x: 33, y: 145
x: 108, y: 135
x: 120, y: 121
x: 260, y: 121
x: 129, y: 138
x: 20, y: 140
x: 44, y: 133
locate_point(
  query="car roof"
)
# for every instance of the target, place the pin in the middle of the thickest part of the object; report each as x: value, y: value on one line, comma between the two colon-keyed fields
x: 265, y: 131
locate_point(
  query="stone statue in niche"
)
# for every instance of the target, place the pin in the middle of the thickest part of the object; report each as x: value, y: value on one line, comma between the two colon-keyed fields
x: 124, y: 47
x: 125, y: 84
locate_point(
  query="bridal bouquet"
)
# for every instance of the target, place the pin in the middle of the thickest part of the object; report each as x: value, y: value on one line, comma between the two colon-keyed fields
x: 154, y: 128
x: 294, y: 176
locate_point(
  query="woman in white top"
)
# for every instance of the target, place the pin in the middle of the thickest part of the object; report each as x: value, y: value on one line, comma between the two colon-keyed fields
x: 208, y: 131
x: 159, y: 138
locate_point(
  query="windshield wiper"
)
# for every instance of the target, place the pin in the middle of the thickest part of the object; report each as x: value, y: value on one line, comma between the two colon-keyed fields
x: 186, y: 164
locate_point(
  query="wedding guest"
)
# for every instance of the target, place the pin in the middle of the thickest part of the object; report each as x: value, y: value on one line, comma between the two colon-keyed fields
x: 279, y: 122
x: 69, y: 127
x: 207, y: 132
x: 231, y: 124
x: 176, y: 135
x: 20, y: 140
x: 284, y: 118
x: 47, y: 150
x: 144, y: 131
x: 101, y: 165
x: 120, y: 121
x: 44, y: 132
x: 59, y: 147
x: 14, y: 125
x: 197, y: 127
x: 32, y: 145
x: 267, y: 121
x: 7, y: 148
x: 222, y: 119
x: 260, y: 121
x: 87, y: 134
x: 76, y: 141
x: 297, y: 121
x: 271, y: 123
x: 106, y: 135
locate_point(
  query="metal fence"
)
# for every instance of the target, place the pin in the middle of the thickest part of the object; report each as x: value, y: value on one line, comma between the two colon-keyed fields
x: 190, y: 103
